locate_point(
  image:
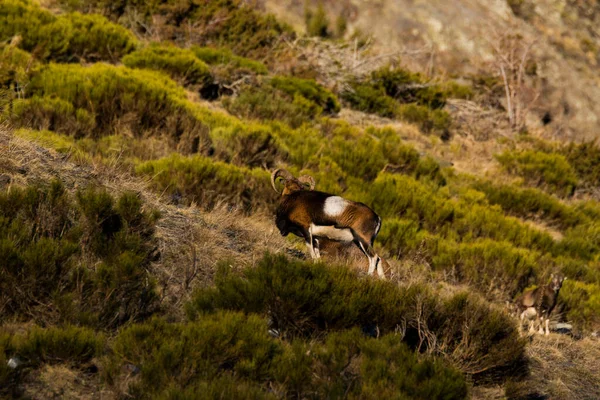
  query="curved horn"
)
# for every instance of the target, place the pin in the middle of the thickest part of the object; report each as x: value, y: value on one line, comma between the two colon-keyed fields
x: 308, y: 179
x: 283, y: 173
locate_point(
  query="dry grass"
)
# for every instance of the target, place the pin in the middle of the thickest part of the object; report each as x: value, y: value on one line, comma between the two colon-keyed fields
x: 562, y: 368
x: 62, y: 382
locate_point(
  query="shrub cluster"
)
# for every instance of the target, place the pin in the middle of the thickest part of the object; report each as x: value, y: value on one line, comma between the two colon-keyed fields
x: 398, y: 93
x: 208, y: 183
x: 230, y: 354
x: 293, y: 100
x: 585, y: 159
x: 180, y: 64
x: 15, y: 67
x: 65, y: 38
x: 109, y: 99
x: 304, y: 300
x: 233, y: 23
x: 224, y: 56
x: 530, y: 203
x: 49, y: 242
x: 549, y: 171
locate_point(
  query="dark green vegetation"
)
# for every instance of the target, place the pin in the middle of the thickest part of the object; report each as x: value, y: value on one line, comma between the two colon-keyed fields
x: 78, y: 275
x: 398, y: 93
x: 49, y: 241
x: 67, y: 38
x: 235, y: 24
x: 181, y: 65
x: 293, y: 100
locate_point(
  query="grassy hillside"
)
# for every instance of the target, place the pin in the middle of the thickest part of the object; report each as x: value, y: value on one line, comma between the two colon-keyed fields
x: 136, y: 218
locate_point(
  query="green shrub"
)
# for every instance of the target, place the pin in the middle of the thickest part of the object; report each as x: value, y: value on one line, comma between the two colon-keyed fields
x: 208, y: 183
x: 6, y: 348
x: 427, y: 119
x: 582, y: 241
x: 581, y: 304
x: 118, y: 98
x: 585, y: 159
x: 224, y: 56
x: 233, y: 23
x: 47, y: 239
x: 317, y: 23
x: 480, y: 221
x: 180, y: 354
x: 222, y: 355
x: 265, y: 103
x: 293, y: 100
x: 487, y: 265
x: 53, y: 345
x: 223, y: 387
x: 182, y: 65
x: 15, y: 67
x: 51, y: 113
x: 64, y: 38
x: 93, y: 38
x: 551, y: 172
x: 530, y: 203
x: 306, y: 300
x: 393, y: 195
x: 24, y: 18
x: 309, y: 89
x: 366, y: 98
x: 409, y: 87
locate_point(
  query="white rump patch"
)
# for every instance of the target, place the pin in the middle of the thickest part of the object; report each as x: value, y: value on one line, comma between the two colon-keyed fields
x: 329, y: 232
x: 335, y: 206
x: 530, y: 313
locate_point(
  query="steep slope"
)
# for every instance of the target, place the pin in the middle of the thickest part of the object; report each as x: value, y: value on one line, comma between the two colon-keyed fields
x: 459, y: 38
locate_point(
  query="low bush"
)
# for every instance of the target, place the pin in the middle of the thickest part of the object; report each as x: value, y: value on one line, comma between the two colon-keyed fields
x: 366, y: 98
x: 317, y: 23
x: 224, y: 56
x: 293, y: 100
x: 491, y: 266
x: 305, y: 300
x: 585, y: 159
x: 208, y: 182
x: 429, y: 120
x: 548, y: 171
x: 48, y: 239
x: 481, y: 221
x: 23, y: 18
x: 233, y: 23
x: 120, y: 98
x: 181, y: 64
x: 5, y: 371
x: 55, y: 345
x: 581, y: 304
x: 51, y: 113
x: 229, y: 352
x: 399, y: 93
x: 268, y: 104
x: 16, y: 66
x: 309, y: 89
x: 394, y: 195
x: 92, y: 38
x: 530, y: 203
x: 64, y: 38
x: 582, y: 241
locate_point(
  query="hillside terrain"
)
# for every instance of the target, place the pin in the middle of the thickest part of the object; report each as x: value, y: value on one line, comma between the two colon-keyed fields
x: 139, y: 254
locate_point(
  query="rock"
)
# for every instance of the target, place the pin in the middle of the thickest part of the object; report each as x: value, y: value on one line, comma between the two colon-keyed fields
x: 274, y: 333
x: 14, y: 362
